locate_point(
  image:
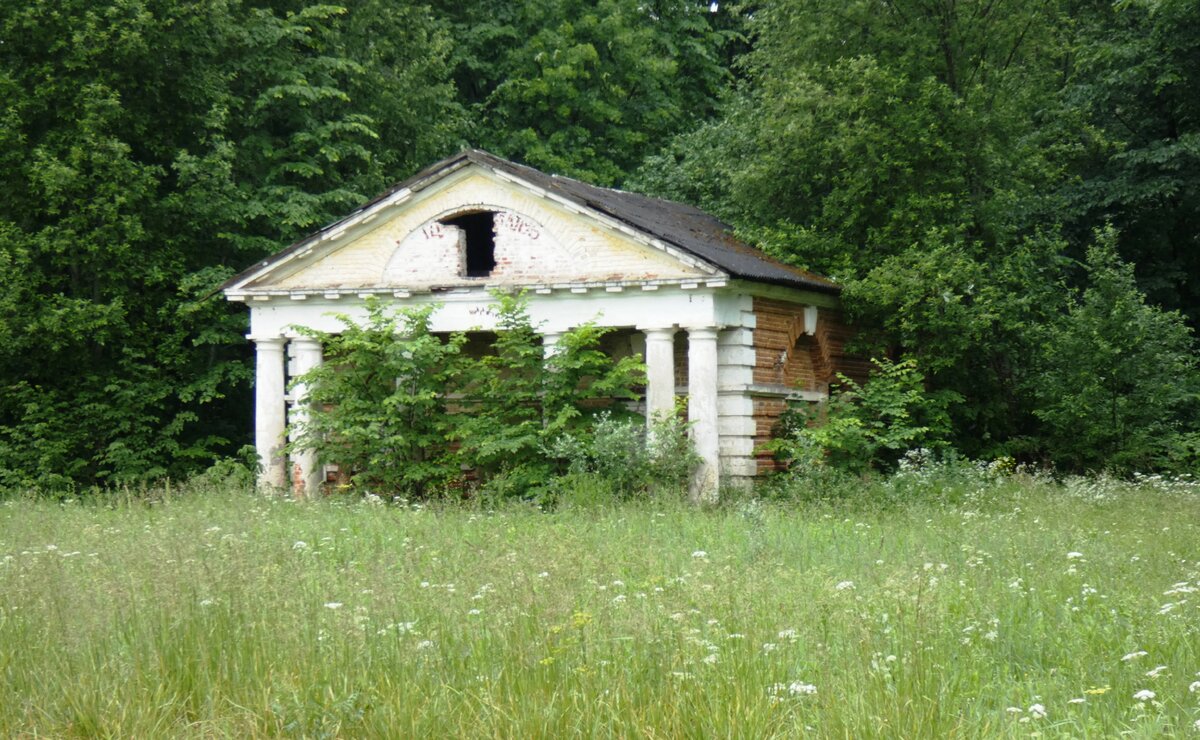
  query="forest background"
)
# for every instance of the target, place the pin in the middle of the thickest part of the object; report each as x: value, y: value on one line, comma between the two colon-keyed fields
x: 1009, y: 190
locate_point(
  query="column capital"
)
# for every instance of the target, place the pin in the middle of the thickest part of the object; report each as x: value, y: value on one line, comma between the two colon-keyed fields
x: 658, y: 332
x: 702, y: 332
x: 267, y: 343
x: 306, y: 343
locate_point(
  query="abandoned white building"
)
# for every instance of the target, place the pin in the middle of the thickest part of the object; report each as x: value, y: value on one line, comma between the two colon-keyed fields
x: 716, y: 320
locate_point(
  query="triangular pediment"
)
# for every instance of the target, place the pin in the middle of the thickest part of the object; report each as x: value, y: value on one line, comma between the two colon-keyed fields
x: 410, y: 241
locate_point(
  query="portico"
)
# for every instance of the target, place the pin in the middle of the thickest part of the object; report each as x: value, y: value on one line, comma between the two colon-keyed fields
x: 581, y: 254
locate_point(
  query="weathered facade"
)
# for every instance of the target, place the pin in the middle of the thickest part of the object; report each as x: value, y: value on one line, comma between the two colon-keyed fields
x: 735, y: 331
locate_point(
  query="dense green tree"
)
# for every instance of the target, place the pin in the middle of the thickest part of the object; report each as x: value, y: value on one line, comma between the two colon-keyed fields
x: 948, y: 161
x: 379, y: 402
x: 151, y: 147
x: 517, y: 401
x: 1117, y: 385
x: 587, y: 89
x: 865, y: 125
x: 1136, y: 73
x: 896, y: 147
x: 927, y: 154
x: 970, y: 324
x: 870, y: 425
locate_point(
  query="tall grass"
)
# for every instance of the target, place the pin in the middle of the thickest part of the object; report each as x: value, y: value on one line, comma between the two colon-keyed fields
x: 988, y: 609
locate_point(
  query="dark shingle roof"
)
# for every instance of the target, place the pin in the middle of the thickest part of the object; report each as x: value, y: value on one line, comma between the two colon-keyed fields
x: 685, y: 227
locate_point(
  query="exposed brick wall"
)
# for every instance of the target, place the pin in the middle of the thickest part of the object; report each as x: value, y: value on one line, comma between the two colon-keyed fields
x: 298, y: 481
x: 784, y: 354
x: 829, y: 352
x: 789, y: 359
x: 766, y: 417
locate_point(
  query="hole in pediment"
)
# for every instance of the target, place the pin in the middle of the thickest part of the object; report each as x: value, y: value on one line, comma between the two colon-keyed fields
x: 478, y: 241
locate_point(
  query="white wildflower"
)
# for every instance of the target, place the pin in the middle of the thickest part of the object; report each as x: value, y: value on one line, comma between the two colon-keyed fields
x: 1074, y: 555
x: 844, y: 585
x: 1154, y: 672
x: 788, y: 634
x: 333, y: 605
x: 1194, y: 686
x: 699, y: 554
x: 1037, y: 711
x: 1131, y: 656
x: 474, y: 612
x: 711, y: 659
x: 424, y: 644
x: 1144, y: 695
x: 1015, y: 710
x: 1078, y: 700
x: 799, y: 688
x: 768, y: 647
x: 300, y: 545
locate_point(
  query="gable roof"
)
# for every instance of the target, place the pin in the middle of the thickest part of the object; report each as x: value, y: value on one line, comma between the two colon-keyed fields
x: 685, y: 227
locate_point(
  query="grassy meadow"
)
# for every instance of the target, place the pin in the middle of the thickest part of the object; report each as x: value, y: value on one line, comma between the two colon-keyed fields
x: 985, y: 607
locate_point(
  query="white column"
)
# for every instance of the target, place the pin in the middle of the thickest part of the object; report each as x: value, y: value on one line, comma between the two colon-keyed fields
x: 270, y: 411
x: 702, y: 413
x: 306, y: 474
x: 550, y: 343
x: 660, y: 373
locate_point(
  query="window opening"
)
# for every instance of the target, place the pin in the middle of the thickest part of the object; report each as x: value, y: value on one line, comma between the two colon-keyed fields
x: 479, y: 241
